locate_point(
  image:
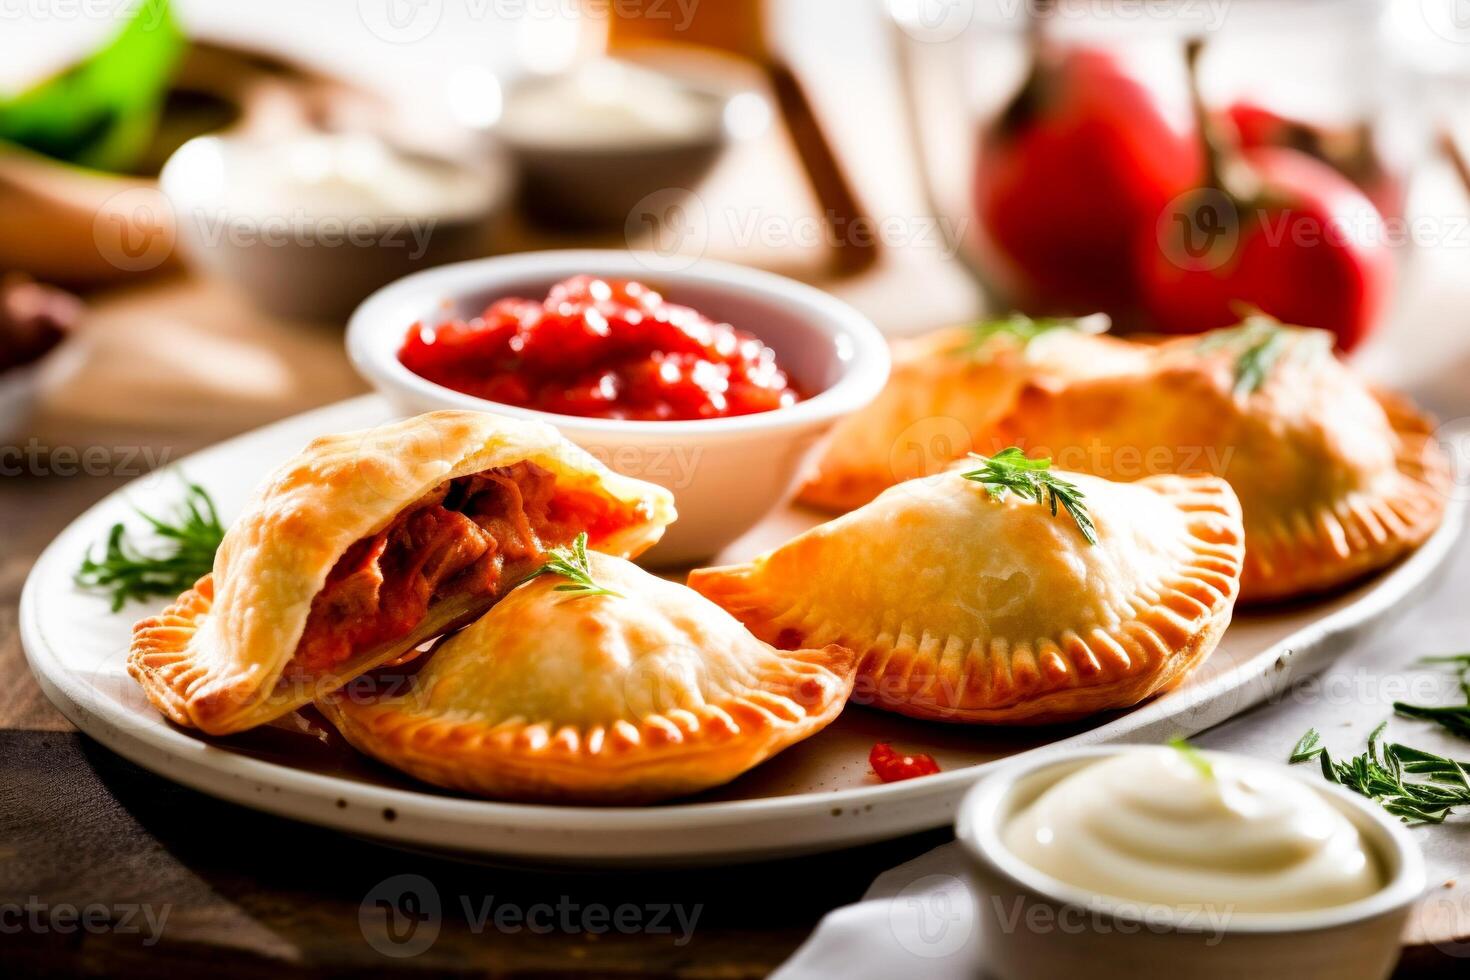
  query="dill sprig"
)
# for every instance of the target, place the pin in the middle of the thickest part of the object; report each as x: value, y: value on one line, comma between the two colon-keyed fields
x: 1025, y: 329
x: 1381, y: 774
x: 1454, y: 718
x: 1010, y: 471
x: 571, y: 564
x: 1259, y: 343
x: 1193, y: 756
x: 190, y: 537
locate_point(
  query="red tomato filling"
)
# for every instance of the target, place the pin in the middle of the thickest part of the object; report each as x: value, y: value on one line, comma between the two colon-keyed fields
x: 892, y: 765
x: 602, y: 348
x: 475, y: 535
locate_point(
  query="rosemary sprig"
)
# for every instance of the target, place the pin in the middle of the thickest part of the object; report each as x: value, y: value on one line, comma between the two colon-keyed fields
x: 571, y: 564
x: 1010, y: 471
x: 1454, y: 718
x: 1024, y: 330
x: 1193, y: 756
x: 191, y: 536
x: 1380, y: 774
x: 1259, y: 343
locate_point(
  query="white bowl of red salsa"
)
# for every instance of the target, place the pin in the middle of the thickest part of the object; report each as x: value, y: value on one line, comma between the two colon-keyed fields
x: 714, y: 381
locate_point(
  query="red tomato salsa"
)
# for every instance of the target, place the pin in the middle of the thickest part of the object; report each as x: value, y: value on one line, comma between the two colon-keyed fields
x: 601, y: 348
x: 890, y: 765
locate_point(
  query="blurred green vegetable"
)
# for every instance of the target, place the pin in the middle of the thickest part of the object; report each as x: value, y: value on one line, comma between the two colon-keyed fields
x: 103, y: 111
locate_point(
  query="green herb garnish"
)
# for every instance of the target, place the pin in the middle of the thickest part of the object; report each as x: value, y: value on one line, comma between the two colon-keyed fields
x: 1381, y: 774
x: 1454, y: 718
x: 571, y: 563
x: 127, y: 571
x: 1010, y: 471
x: 1193, y: 756
x: 1024, y: 330
x: 103, y: 111
x: 1259, y: 343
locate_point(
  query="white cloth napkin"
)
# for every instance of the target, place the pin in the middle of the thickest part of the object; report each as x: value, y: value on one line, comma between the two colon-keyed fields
x: 919, y: 919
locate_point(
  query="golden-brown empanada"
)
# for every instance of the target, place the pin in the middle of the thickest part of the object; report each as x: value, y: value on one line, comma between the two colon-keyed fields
x: 1335, y: 480
x: 554, y: 695
x: 963, y: 607
x: 947, y: 391
x: 366, y: 545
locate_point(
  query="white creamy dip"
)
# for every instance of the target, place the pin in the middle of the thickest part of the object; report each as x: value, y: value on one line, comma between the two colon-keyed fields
x: 608, y: 104
x: 1151, y: 825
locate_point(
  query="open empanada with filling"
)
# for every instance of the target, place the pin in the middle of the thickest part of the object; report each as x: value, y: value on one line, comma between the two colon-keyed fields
x: 368, y: 544
x: 622, y: 689
x: 1335, y: 479
x: 966, y: 602
x: 947, y: 391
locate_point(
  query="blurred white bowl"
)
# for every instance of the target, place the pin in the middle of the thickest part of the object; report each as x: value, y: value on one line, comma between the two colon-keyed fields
x: 309, y: 224
x: 726, y: 474
x: 1094, y: 936
x: 593, y: 142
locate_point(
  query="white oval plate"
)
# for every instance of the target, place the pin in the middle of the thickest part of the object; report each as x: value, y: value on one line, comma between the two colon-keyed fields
x: 817, y: 796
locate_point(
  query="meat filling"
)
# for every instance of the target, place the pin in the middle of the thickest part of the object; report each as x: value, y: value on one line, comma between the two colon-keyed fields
x: 477, y: 535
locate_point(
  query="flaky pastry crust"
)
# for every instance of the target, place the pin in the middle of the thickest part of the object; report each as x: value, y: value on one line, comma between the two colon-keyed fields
x: 968, y: 609
x: 943, y: 398
x: 653, y: 693
x: 214, y: 659
x: 1336, y: 480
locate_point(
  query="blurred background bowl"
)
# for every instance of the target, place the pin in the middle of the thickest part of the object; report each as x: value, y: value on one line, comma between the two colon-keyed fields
x: 595, y: 140
x: 306, y: 226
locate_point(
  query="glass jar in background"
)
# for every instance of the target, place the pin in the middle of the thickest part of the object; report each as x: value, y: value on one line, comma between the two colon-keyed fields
x: 1169, y: 163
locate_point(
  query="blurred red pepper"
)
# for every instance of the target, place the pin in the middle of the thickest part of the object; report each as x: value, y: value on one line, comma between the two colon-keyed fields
x: 1083, y: 159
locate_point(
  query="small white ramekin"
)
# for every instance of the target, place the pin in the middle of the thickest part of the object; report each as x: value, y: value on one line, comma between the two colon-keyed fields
x: 726, y: 474
x: 1034, y: 927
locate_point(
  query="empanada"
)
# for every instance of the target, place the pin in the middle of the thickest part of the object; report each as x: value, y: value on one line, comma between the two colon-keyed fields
x: 368, y: 544
x: 947, y: 391
x: 963, y: 607
x: 565, y: 695
x: 1335, y: 480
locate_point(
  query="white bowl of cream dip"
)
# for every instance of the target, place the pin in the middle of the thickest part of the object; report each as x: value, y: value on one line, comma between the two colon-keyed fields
x: 307, y: 224
x: 1144, y: 861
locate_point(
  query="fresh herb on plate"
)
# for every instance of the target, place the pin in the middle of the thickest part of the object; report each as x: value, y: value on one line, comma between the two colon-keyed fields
x: 126, y: 570
x: 102, y: 112
x: 1454, y: 718
x: 571, y: 563
x: 1381, y: 774
x: 1010, y: 471
x: 1193, y: 756
x: 1024, y: 329
x: 1259, y: 343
